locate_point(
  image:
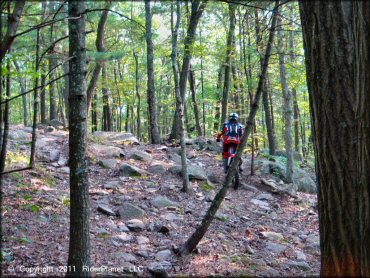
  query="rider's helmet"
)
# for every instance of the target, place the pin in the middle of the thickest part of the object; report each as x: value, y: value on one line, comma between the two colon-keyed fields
x: 234, y: 117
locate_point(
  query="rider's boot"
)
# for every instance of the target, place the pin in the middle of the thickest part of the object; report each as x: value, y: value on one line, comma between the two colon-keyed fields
x: 225, y: 164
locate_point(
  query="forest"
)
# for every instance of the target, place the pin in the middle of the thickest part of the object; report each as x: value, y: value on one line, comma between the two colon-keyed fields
x: 184, y: 138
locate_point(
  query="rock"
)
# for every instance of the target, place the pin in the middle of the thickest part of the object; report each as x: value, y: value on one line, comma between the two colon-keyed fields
x: 56, y: 123
x: 248, y: 187
x: 54, y: 155
x: 265, y: 197
x: 275, y: 247
x: 127, y: 257
x: 211, y: 196
x: 213, y: 146
x: 139, y: 155
x: 19, y: 135
x: 143, y: 253
x: 159, y: 269
x: 261, y: 204
x: 108, y: 163
x: 163, y: 255
x: 177, y: 158
x: 142, y: 240
x: 172, y: 217
x: 194, y: 171
x: 111, y: 185
x: 65, y: 170
x: 123, y: 138
x: 124, y: 237
x: 106, y: 210
x: 161, y: 202
x: 49, y: 129
x: 157, y: 168
x: 301, y: 265
x: 128, y: 170
x: 303, y: 181
x: 300, y: 255
x: 129, y: 211
x: 136, y: 225
x: 163, y: 229
x: 273, y: 236
x: 62, y: 161
x: 99, y: 231
x: 104, y: 151
x: 123, y: 228
x: 214, y: 178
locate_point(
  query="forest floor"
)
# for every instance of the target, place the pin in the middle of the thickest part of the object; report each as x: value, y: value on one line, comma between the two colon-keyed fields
x: 256, y: 232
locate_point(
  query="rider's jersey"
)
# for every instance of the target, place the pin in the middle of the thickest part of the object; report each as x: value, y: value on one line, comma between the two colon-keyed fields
x: 232, y: 132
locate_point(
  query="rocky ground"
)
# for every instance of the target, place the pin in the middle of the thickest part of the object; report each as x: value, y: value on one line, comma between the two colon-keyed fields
x: 139, y: 214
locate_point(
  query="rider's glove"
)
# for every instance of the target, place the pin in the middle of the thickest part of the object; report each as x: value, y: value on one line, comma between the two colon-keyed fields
x: 218, y: 140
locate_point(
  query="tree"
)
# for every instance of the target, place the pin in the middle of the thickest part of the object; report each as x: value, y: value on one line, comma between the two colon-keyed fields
x: 79, y: 239
x: 153, y: 125
x: 336, y: 41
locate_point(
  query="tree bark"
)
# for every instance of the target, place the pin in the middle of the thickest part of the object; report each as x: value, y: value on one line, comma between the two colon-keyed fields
x: 197, y: 8
x: 287, y: 106
x: 107, y: 113
x: 52, y: 64
x: 23, y: 90
x: 138, y: 108
x: 194, y: 100
x: 216, y: 124
x: 194, y: 239
x: 100, y: 46
x: 154, y: 133
x: 336, y: 40
x: 229, y: 52
x: 13, y: 20
x: 179, y: 99
x: 265, y: 98
x: 79, y: 239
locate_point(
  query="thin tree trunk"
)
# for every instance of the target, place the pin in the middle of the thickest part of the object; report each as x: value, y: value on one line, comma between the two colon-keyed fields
x: 336, y: 40
x: 287, y: 106
x: 265, y: 99
x: 23, y: 90
x: 66, y: 90
x: 194, y: 100
x: 296, y: 120
x: 229, y: 54
x: 107, y: 113
x: 79, y: 238
x: 179, y: 99
x: 194, y: 239
x: 42, y: 98
x: 52, y: 64
x: 138, y: 108
x: 202, y: 84
x: 216, y: 124
x: 154, y: 134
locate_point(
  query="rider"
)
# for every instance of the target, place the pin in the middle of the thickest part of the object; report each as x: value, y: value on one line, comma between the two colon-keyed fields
x: 232, y: 132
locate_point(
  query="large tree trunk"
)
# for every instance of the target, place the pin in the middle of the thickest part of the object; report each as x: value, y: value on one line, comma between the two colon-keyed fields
x: 154, y: 133
x: 138, y: 108
x: 79, y: 238
x: 229, y: 53
x: 265, y: 98
x: 337, y: 42
x: 287, y: 106
x: 198, y: 234
x: 52, y: 64
x: 194, y: 100
x: 216, y: 123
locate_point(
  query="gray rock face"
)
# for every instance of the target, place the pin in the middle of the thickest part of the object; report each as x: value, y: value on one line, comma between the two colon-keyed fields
x: 163, y: 255
x: 301, y: 265
x: 157, y: 168
x: 136, y: 225
x: 105, y: 151
x: 106, y: 210
x: 139, y: 155
x: 161, y: 202
x: 111, y: 185
x: 160, y: 269
x: 142, y: 240
x: 129, y: 211
x: 301, y: 178
x: 127, y: 257
x: 275, y: 247
x: 194, y: 171
x: 108, y: 163
x: 124, y: 237
x: 56, y: 123
x: 116, y: 137
x: 128, y: 170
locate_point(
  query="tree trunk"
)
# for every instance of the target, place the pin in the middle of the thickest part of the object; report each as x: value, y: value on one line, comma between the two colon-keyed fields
x: 194, y: 100
x: 202, y: 84
x: 265, y: 99
x: 52, y: 65
x: 66, y: 90
x: 296, y: 120
x: 138, y: 108
x: 23, y: 90
x: 287, y: 106
x: 154, y: 134
x: 229, y: 54
x: 216, y: 124
x: 100, y: 46
x: 197, y: 8
x: 79, y: 239
x: 107, y: 113
x: 179, y: 99
x: 336, y: 40
x: 194, y: 239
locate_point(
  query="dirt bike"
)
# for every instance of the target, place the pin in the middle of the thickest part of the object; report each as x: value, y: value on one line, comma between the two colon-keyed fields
x: 231, y: 155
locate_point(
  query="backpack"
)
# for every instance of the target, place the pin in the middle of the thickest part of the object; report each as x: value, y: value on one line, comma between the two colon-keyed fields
x: 232, y: 129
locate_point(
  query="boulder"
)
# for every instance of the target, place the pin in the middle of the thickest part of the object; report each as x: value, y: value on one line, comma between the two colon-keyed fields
x: 161, y: 202
x: 160, y: 269
x: 135, y: 225
x: 111, y: 185
x: 139, y: 155
x: 273, y: 236
x: 104, y: 151
x: 108, y: 163
x: 56, y: 123
x: 129, y: 211
x: 106, y: 210
x: 163, y: 255
x: 123, y: 138
x: 127, y: 257
x: 19, y: 135
x: 156, y: 169
x: 128, y: 170
x: 194, y: 171
x: 123, y: 237
x: 275, y: 248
